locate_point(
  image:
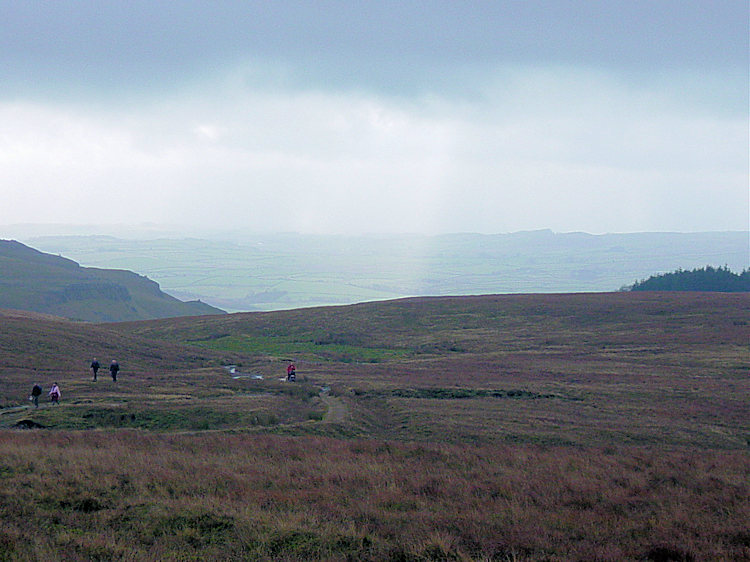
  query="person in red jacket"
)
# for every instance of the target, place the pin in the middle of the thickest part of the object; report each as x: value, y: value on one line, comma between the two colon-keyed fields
x: 291, y: 372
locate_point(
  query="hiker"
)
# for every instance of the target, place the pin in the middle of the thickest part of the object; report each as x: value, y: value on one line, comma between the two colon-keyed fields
x: 291, y: 372
x: 95, y: 367
x: 113, y: 368
x: 36, y: 392
x: 54, y: 394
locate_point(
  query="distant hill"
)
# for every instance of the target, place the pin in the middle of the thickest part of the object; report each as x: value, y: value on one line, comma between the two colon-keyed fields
x: 426, y: 328
x: 35, y: 281
x: 719, y: 280
x: 414, y: 331
x: 245, y: 271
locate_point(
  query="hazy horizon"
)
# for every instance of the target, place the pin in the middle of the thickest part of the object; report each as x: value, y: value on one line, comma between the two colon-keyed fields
x: 29, y: 231
x: 241, y: 271
x: 337, y: 117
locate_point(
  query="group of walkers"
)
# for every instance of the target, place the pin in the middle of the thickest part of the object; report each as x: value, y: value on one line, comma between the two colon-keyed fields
x: 54, y: 391
x: 114, y: 368
x: 54, y: 394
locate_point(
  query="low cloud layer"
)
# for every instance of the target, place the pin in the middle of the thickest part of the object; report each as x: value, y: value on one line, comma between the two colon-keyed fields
x: 498, y: 146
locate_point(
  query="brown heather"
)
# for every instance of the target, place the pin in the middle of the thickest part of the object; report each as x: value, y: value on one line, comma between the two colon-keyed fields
x: 534, y: 427
x: 126, y: 495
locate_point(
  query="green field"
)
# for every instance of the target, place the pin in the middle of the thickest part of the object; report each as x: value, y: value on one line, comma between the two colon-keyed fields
x: 513, y: 427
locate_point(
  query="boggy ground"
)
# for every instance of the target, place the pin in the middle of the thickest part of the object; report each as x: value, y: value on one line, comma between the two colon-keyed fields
x: 531, y: 427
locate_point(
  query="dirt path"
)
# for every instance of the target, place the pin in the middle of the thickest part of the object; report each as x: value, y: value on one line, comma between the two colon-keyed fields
x: 337, y: 410
x: 13, y: 410
x: 15, y: 414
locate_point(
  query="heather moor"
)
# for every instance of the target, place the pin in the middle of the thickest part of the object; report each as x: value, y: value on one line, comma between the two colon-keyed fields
x: 509, y: 427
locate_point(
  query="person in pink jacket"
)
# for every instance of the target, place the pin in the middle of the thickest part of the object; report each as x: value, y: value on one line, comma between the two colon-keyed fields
x: 54, y: 394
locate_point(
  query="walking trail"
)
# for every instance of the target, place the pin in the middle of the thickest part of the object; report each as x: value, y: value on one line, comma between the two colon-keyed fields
x: 337, y: 411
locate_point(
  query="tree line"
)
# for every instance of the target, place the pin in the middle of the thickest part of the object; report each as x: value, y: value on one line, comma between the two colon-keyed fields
x: 720, y: 280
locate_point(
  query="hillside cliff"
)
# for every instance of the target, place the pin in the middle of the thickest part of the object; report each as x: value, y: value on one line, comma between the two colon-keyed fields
x: 39, y: 282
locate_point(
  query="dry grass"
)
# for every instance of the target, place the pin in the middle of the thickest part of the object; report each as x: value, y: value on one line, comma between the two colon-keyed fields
x: 132, y: 495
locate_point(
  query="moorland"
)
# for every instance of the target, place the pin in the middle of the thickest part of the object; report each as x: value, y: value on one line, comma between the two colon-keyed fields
x: 602, y: 426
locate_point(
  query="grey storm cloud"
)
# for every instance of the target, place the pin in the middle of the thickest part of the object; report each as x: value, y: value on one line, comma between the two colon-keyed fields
x: 390, y: 46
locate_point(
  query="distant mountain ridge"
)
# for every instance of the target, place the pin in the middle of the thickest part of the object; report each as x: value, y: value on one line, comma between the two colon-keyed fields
x: 38, y: 282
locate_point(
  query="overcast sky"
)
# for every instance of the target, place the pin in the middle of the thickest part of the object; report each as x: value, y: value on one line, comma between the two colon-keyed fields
x: 378, y: 116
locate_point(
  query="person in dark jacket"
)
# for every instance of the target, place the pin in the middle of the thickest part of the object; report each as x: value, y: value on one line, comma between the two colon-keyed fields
x: 114, y: 367
x: 95, y: 367
x: 36, y: 392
